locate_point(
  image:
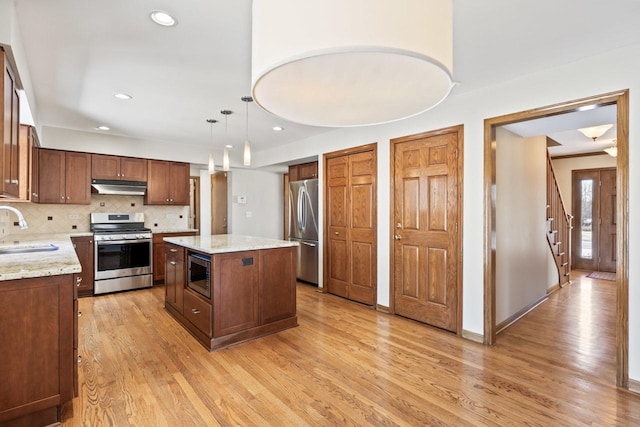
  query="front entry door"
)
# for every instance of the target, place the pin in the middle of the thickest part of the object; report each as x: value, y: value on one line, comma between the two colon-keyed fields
x: 426, y: 249
x: 594, y: 210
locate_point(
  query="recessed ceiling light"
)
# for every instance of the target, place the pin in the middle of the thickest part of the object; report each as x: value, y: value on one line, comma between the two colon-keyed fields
x: 123, y: 96
x: 103, y: 127
x: 163, y: 18
x: 278, y: 128
x: 229, y: 146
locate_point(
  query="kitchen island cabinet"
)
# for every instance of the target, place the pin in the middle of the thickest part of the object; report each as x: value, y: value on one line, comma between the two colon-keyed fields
x: 252, y: 288
x: 159, y: 252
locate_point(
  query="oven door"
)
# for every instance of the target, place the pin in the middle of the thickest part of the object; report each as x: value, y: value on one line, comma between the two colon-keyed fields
x: 122, y: 258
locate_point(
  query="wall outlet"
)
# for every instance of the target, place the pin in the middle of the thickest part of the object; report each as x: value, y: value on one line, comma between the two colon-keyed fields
x: 248, y: 214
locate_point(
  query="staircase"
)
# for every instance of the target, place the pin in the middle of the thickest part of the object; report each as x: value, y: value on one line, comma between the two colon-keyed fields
x: 559, y: 225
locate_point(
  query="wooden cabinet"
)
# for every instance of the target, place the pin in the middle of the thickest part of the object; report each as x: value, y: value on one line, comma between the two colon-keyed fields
x: 175, y: 275
x: 84, y: 250
x: 253, y: 293
x: 159, y: 252
x: 37, y: 366
x: 350, y: 224
x: 63, y: 177
x: 118, y: 168
x: 167, y: 183
x: 303, y: 171
x: 9, y: 130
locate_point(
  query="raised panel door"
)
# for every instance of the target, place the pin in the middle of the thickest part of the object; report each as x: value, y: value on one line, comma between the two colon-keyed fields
x: 78, y: 178
x: 425, y: 263
x: 337, y: 218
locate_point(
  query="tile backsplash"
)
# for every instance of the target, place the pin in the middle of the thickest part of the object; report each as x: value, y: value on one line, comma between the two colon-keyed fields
x: 45, y: 218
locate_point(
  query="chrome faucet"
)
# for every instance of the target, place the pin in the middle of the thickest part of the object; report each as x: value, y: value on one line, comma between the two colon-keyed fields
x: 22, y: 223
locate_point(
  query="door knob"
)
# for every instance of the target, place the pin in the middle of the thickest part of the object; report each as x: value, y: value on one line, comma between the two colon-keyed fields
x: 397, y: 237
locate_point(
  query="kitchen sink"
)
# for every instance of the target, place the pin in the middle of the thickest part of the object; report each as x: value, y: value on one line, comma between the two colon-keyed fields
x: 28, y: 248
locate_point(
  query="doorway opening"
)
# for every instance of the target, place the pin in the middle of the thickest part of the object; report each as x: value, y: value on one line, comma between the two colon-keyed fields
x: 621, y: 101
x: 219, y: 203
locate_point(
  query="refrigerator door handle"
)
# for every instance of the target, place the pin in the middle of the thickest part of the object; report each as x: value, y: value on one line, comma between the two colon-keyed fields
x: 308, y: 244
x: 301, y: 209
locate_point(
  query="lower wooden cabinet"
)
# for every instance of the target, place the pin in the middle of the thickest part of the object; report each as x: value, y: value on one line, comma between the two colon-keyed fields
x: 37, y: 363
x: 159, y: 252
x: 84, y: 251
x: 253, y: 293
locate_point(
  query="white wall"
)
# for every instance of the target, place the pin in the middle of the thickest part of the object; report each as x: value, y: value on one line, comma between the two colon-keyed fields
x: 563, y: 167
x: 262, y: 214
x: 521, y: 245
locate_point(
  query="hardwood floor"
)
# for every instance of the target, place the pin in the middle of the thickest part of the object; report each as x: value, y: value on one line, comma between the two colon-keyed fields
x: 349, y: 365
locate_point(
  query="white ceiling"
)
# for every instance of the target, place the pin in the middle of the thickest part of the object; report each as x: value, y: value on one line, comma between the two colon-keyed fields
x: 81, y: 52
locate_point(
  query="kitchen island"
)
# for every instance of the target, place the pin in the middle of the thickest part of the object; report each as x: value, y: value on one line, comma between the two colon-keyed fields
x: 247, y: 291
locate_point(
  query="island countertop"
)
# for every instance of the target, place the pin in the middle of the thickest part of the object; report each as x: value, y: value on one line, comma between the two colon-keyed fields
x: 224, y: 243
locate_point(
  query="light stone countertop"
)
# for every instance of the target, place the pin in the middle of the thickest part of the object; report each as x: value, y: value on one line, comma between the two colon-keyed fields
x: 167, y: 231
x: 39, y: 264
x: 223, y: 243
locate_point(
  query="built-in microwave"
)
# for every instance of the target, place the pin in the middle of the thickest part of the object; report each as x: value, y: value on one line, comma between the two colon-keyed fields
x: 199, y: 274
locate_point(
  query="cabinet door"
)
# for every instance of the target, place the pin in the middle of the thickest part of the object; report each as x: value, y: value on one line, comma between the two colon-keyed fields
x: 35, y: 172
x: 308, y: 170
x: 51, y: 176
x: 294, y: 173
x: 179, y: 190
x: 105, y: 167
x: 158, y: 260
x: 174, y: 276
x: 132, y: 169
x: 78, y: 178
x: 235, y: 292
x: 84, y: 251
x: 158, y: 183
x: 10, y: 134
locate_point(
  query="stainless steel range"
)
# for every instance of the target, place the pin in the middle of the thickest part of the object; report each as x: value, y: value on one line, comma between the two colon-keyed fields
x: 123, y: 252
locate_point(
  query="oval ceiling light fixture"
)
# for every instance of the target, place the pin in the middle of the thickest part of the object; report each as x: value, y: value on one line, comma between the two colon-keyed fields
x: 339, y: 63
x: 278, y: 128
x: 163, y: 18
x: 124, y: 96
x: 103, y: 127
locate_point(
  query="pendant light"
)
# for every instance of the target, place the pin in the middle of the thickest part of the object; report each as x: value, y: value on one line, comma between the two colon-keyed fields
x: 247, y: 147
x: 211, y: 162
x: 225, y: 158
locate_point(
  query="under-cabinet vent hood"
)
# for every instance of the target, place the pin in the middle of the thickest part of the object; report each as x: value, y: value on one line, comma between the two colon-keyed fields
x: 125, y: 188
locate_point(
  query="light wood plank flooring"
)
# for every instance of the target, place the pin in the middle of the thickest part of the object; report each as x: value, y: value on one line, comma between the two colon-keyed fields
x: 347, y: 364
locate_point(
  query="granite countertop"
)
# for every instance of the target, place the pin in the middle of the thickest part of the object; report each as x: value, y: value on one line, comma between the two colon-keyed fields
x: 223, y: 243
x: 39, y: 264
x: 167, y: 231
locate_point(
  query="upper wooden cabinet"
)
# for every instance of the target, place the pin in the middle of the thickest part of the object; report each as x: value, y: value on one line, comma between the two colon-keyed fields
x: 63, y: 177
x: 118, y: 168
x: 9, y: 131
x: 167, y: 183
x: 303, y: 171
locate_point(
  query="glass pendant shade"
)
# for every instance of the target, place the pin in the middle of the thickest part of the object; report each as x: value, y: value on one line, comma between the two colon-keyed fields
x: 613, y: 150
x: 247, y: 153
x: 225, y: 160
x: 212, y: 165
x: 595, y: 132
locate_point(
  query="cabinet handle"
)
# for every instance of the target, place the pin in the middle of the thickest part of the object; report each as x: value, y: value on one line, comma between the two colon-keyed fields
x: 195, y: 311
x: 172, y: 262
x: 79, y: 358
x: 336, y: 233
x: 79, y: 314
x: 173, y: 250
x: 62, y: 197
x: 167, y: 200
x: 78, y: 281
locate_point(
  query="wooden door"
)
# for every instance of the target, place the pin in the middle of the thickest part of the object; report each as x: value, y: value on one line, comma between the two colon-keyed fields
x: 351, y: 225
x: 179, y: 184
x: 219, y: 203
x: 594, y: 204
x: 78, y: 178
x: 51, y: 176
x: 426, y: 249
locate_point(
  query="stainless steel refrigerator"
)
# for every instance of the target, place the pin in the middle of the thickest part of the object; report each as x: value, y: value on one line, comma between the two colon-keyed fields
x: 303, y: 226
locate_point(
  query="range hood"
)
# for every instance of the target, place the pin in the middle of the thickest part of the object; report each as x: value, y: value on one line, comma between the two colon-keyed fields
x: 124, y: 188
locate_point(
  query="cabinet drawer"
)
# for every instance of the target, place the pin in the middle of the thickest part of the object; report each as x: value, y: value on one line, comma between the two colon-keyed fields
x: 174, y: 252
x: 198, y: 312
